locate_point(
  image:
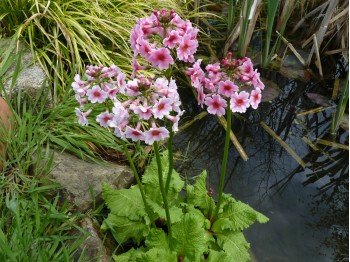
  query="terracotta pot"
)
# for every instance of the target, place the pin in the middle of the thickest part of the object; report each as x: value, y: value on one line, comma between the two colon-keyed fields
x: 5, y: 122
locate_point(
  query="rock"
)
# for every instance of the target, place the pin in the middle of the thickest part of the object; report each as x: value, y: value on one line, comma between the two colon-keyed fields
x: 5, y: 121
x: 93, y: 248
x: 81, y: 181
x: 31, y: 77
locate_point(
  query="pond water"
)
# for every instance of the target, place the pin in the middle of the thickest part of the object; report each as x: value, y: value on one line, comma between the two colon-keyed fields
x: 308, y: 208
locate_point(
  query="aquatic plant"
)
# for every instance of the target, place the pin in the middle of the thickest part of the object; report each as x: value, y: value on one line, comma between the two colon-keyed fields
x: 167, y: 220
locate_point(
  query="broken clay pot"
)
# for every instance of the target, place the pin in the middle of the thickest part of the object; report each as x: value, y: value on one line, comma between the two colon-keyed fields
x: 5, y: 124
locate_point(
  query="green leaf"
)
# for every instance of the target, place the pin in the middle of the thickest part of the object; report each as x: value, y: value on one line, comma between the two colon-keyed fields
x: 129, y: 256
x: 175, y: 212
x: 189, y: 237
x: 237, y: 216
x: 205, y: 223
x: 197, y: 195
x: 234, y: 245
x: 157, y: 254
x: 157, y: 238
x: 126, y: 228
x: 151, y: 182
x: 215, y: 256
x: 124, y: 202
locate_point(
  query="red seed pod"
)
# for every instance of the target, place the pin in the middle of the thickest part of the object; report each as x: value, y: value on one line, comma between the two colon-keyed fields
x: 180, y: 259
x: 210, y: 191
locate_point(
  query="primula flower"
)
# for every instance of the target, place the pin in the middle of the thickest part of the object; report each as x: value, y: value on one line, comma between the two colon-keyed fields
x: 82, y: 116
x: 145, y: 48
x: 216, y: 105
x: 255, y: 80
x: 144, y: 111
x: 135, y: 67
x: 201, y: 96
x: 187, y: 48
x: 155, y: 134
x: 255, y: 98
x: 160, y: 58
x: 227, y: 88
x: 196, y: 73
x: 162, y: 108
x: 172, y: 39
x: 161, y: 31
x: 96, y: 95
x: 240, y: 102
x: 104, y: 118
x: 132, y: 88
x: 134, y: 134
x: 222, y: 81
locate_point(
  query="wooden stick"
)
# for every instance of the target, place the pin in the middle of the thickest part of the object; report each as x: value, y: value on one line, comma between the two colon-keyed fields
x: 318, y: 57
x: 283, y: 144
x: 291, y: 47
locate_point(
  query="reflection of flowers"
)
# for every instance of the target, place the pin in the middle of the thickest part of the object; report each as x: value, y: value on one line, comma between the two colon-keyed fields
x: 231, y: 79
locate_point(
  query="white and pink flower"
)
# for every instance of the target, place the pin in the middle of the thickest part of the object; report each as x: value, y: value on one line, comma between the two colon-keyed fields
x: 96, y: 95
x: 255, y: 98
x: 156, y: 134
x: 240, y: 102
x: 216, y: 105
x: 160, y: 58
x: 104, y: 118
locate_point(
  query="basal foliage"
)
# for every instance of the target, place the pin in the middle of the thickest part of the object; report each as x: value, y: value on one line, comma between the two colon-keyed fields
x: 197, y: 236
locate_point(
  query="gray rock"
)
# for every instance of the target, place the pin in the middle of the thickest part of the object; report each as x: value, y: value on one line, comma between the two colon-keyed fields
x: 93, y: 248
x: 31, y: 77
x: 81, y: 180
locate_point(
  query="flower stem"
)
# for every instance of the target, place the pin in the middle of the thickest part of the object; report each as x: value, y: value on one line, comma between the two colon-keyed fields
x: 162, y: 190
x: 171, y: 161
x: 138, y: 181
x: 224, y: 160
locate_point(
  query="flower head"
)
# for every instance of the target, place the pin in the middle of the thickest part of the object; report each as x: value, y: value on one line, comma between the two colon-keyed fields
x: 240, y: 102
x: 82, y: 116
x: 255, y: 98
x: 216, y: 105
x: 155, y: 134
x: 160, y: 58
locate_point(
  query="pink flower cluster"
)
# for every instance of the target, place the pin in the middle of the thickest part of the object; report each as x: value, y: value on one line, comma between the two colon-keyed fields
x: 233, y: 80
x: 145, y: 101
x: 155, y: 37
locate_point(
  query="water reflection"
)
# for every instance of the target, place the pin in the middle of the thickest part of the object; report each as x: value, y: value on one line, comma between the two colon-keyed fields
x: 299, y: 202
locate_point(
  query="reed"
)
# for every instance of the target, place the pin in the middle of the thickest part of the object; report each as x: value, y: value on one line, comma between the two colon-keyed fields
x: 342, y: 105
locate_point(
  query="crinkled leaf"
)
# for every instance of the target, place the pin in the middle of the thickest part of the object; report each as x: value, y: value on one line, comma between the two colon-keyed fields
x: 234, y: 245
x: 157, y: 254
x: 237, y: 216
x: 197, y: 195
x: 130, y: 255
x: 189, y: 237
x: 199, y: 216
x: 126, y: 228
x: 151, y: 181
x: 175, y: 212
x: 124, y: 202
x: 215, y: 256
x: 157, y: 238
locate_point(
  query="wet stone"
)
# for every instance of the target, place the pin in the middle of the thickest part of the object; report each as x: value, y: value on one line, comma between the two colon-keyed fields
x: 81, y: 181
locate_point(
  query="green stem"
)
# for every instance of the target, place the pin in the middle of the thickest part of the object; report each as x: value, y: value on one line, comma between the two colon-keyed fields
x: 224, y: 160
x: 171, y: 161
x: 162, y: 190
x: 138, y: 181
